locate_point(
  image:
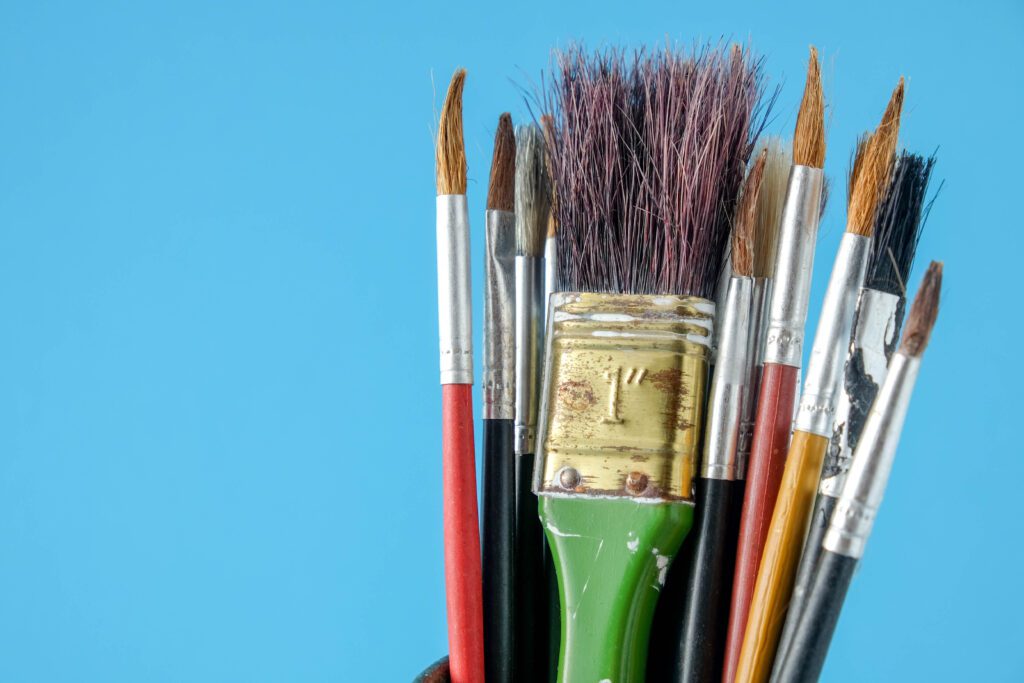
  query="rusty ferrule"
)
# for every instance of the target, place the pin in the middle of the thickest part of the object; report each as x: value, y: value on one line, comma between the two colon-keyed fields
x: 755, y: 345
x: 876, y: 332
x: 499, y: 315
x: 625, y: 378
x: 832, y: 338
x: 454, y: 300
x: 729, y: 384
x: 794, y: 262
x: 528, y: 333
x: 862, y: 493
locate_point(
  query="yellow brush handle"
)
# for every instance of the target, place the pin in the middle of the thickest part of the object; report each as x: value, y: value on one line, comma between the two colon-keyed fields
x: 781, y: 555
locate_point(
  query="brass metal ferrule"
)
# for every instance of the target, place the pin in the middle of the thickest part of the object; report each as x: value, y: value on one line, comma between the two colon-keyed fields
x: 625, y: 378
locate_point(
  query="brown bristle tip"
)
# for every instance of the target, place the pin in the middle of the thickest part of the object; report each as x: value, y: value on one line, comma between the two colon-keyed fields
x: 552, y: 226
x: 871, y: 174
x: 501, y: 190
x: 923, y: 312
x: 746, y: 218
x: 451, y: 149
x: 856, y: 163
x: 809, y: 138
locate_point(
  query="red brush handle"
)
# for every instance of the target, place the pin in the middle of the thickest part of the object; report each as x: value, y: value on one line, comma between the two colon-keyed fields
x: 764, y: 475
x: 462, y: 537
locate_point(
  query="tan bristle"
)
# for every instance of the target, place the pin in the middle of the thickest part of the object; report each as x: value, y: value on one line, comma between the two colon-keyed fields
x: 809, y: 138
x: 533, y: 191
x: 552, y: 224
x: 547, y: 124
x: 501, y: 190
x: 872, y: 175
x: 856, y: 163
x: 769, y: 206
x: 746, y: 219
x: 451, y: 149
x: 923, y: 312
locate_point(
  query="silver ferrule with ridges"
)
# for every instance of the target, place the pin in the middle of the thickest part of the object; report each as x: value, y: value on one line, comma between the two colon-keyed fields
x: 876, y: 330
x: 862, y: 494
x: 499, y: 315
x: 794, y: 262
x: 817, y: 408
x: 755, y: 345
x: 550, y: 275
x: 729, y: 384
x: 529, y: 291
x: 454, y: 299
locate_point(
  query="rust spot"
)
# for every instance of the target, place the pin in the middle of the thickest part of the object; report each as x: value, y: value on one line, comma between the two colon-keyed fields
x: 669, y: 380
x: 636, y: 482
x: 576, y: 395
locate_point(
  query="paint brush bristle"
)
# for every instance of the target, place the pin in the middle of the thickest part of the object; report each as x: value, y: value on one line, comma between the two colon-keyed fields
x: 451, y: 149
x: 856, y: 161
x: 898, y: 226
x: 871, y: 176
x: 547, y: 124
x: 746, y: 218
x: 809, y: 138
x: 532, y: 191
x: 501, y: 188
x: 769, y: 205
x: 923, y: 312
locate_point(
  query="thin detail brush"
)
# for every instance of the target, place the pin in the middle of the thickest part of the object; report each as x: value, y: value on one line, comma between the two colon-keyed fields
x: 782, y: 354
x: 813, y: 425
x: 547, y: 124
x: 533, y: 205
x: 876, y: 329
x: 854, y: 517
x: 499, y: 407
x: 454, y: 303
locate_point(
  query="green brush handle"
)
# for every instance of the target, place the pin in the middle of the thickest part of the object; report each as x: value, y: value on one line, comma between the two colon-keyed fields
x: 611, y: 557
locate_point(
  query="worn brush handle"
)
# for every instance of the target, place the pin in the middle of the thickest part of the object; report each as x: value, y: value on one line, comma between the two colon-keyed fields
x: 461, y: 537
x: 813, y: 633
x: 499, y: 501
x: 823, y: 508
x: 531, y: 580
x: 700, y: 646
x: 768, y: 449
x: 612, y: 557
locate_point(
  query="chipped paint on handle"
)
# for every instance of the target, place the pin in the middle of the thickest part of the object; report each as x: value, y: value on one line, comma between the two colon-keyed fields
x: 611, y: 557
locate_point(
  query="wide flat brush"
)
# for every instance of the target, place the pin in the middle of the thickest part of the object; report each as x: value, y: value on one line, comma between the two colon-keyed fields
x: 499, y: 500
x: 876, y: 330
x: 813, y: 424
x: 639, y: 244
x: 863, y: 490
x: 699, y: 644
x: 782, y: 353
x: 455, y: 325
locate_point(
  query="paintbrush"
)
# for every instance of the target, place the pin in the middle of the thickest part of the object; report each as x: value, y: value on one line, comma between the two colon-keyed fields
x: 533, y: 204
x: 813, y: 425
x: 699, y: 645
x: 455, y: 325
x: 862, y: 492
x: 876, y: 330
x: 641, y: 181
x: 499, y: 407
x: 547, y: 124
x: 783, y: 348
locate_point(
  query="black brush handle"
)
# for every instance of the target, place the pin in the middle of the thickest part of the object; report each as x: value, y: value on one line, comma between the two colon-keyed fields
x: 823, y: 508
x: 806, y: 656
x: 499, y: 502
x: 531, y: 580
x: 700, y: 646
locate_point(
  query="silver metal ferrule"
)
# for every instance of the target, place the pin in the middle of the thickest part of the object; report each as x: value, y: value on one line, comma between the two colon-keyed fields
x: 550, y: 275
x: 499, y: 315
x: 872, y: 343
x: 865, y: 485
x: 454, y: 299
x: 729, y: 384
x: 721, y: 292
x: 794, y: 262
x: 529, y: 290
x: 831, y: 340
x: 755, y: 345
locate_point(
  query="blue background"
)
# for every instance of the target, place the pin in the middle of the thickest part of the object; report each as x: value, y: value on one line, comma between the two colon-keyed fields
x: 219, y: 433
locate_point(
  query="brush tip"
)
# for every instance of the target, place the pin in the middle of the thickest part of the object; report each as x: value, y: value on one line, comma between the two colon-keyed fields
x: 871, y: 176
x: 746, y: 217
x: 532, y: 191
x: 451, y: 148
x: 769, y: 206
x: 923, y: 312
x: 809, y: 137
x: 501, y: 188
